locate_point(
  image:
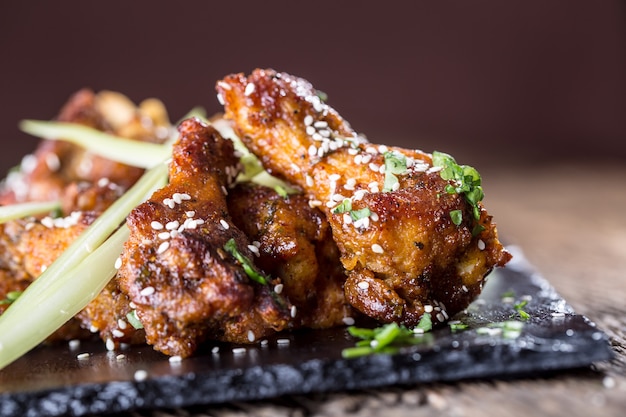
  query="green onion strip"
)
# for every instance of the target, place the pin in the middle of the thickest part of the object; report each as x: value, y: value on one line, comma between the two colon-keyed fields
x: 21, y: 210
x: 115, y: 148
x: 76, y: 277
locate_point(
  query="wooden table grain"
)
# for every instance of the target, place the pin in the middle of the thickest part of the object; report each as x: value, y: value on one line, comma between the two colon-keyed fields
x: 570, y: 221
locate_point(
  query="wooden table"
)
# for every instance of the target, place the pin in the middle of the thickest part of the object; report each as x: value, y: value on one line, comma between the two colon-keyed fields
x: 570, y: 220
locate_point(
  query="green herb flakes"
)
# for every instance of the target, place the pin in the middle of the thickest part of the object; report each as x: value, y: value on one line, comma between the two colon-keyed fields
x: 395, y: 164
x: 248, y: 267
x: 11, y: 297
x: 134, y: 320
x: 464, y: 180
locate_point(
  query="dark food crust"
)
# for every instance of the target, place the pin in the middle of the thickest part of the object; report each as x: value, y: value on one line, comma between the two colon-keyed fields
x: 409, y: 259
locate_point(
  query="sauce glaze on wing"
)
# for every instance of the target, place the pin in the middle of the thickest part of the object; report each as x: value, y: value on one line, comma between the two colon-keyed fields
x: 404, y: 255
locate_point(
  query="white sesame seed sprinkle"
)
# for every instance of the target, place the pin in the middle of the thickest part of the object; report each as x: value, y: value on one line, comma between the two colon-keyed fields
x: 283, y: 341
x: 117, y: 333
x: 164, y: 235
x: 334, y: 177
x: 190, y: 213
x: 74, y: 344
x: 309, y: 180
x: 120, y: 357
x: 366, y: 159
x: 481, y: 244
x: 312, y: 150
x: 278, y: 288
x: 215, y: 350
x: 428, y: 308
x: 147, y: 291
x: 220, y: 99
x: 122, y: 324
x: 348, y: 321
x: 224, y: 224
x: 250, y: 87
x: 376, y: 248
x: 175, y: 359
x: 118, y: 263
x: 140, y: 375
x: 83, y: 356
x: 363, y: 285
x: 110, y: 345
x: 163, y: 247
x: 251, y: 336
x: 239, y: 351
x: 294, y: 311
x: 156, y: 225
x: 308, y: 120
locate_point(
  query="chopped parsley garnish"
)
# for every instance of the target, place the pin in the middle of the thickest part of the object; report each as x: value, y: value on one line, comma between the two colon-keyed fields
x: 134, y: 320
x: 519, y: 307
x: 360, y: 214
x: 388, y: 338
x: 343, y: 207
x: 248, y: 267
x: 465, y: 180
x: 11, y: 297
x: 457, y: 326
x: 346, y: 207
x: 395, y: 164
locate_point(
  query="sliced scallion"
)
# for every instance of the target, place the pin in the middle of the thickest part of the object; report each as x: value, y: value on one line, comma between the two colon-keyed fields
x: 21, y: 210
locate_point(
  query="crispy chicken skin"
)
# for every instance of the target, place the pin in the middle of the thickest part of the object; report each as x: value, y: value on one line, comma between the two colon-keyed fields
x: 28, y: 247
x: 295, y: 244
x: 404, y: 257
x: 175, y: 268
x: 55, y: 165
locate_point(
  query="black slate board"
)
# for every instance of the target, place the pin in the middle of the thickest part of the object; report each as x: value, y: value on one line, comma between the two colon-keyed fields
x: 52, y: 381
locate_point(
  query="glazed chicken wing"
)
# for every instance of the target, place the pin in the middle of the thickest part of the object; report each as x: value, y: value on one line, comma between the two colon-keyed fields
x: 186, y: 267
x: 389, y: 208
x: 294, y: 244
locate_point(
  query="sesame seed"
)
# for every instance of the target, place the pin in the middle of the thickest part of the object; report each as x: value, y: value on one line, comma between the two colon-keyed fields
x: 83, y: 356
x: 250, y: 87
x: 374, y: 167
x: 251, y: 336
x: 366, y: 159
x: 348, y: 321
x: 264, y: 343
x: 374, y: 216
x: 93, y: 329
x: 464, y: 288
x: 320, y: 124
x: 118, y: 263
x: 172, y: 225
x: 395, y: 186
x: 283, y: 341
x: 481, y: 244
x: 382, y: 148
x: 147, y: 291
x: 312, y: 150
x: 117, y: 333
x: 110, y: 345
x: 278, y: 288
x: 310, y: 130
x: 358, y: 158
x: 224, y: 224
x: 256, y: 243
x: 175, y: 359
x: 428, y: 308
x: 363, y: 285
x: 337, y: 197
x: 220, y: 99
x: 239, y: 351
x: 176, y: 198
x: 156, y: 225
x: 353, y: 151
x: 309, y: 180
x: 294, y: 311
x: 314, y: 203
x: 308, y: 120
x: 373, y: 184
x: 190, y: 213
x: 163, y: 247
x: 371, y: 150
x: 334, y: 177
x: 164, y: 235
x: 74, y: 344
x: 121, y: 323
x: 359, y: 194
x: 120, y: 357
x: 215, y: 350
x: 140, y: 375
x: 347, y: 219
x: 376, y: 248
x: 440, y: 317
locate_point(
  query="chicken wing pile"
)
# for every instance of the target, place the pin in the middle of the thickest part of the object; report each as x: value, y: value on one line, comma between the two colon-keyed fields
x: 374, y: 231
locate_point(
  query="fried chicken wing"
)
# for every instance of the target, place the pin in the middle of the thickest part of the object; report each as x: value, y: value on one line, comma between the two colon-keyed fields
x: 54, y: 165
x: 389, y: 208
x: 295, y: 244
x: 183, y: 265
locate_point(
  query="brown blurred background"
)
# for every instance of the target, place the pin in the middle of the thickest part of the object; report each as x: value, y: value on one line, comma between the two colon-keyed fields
x: 489, y: 81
